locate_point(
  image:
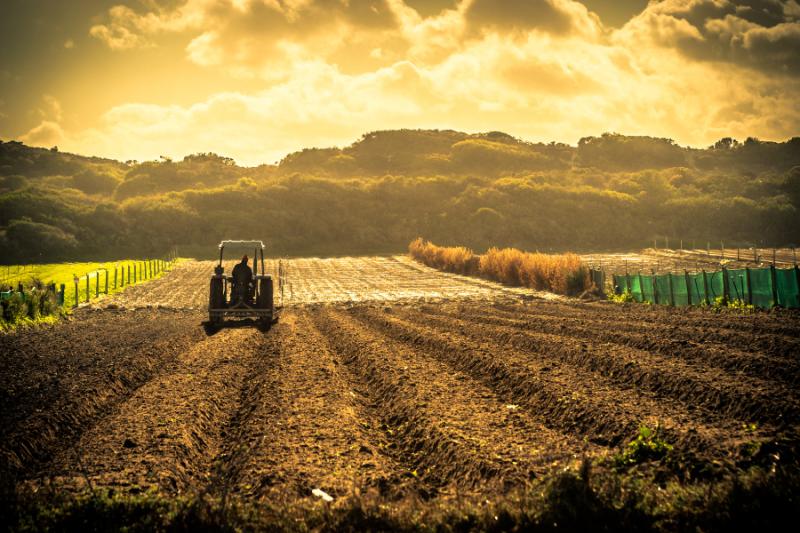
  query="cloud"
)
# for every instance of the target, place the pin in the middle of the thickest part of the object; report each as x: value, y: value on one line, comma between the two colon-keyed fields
x: 47, y: 134
x: 330, y: 70
x: 757, y: 34
x: 552, y: 16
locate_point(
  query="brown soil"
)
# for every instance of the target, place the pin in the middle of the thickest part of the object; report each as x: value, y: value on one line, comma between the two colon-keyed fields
x: 475, y: 392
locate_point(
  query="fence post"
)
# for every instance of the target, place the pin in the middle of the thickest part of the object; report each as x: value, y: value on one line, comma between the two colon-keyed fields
x: 641, y: 284
x: 97, y: 285
x: 726, y: 290
x: 135, y: 276
x: 76, y: 289
x: 61, y: 294
x: 688, y: 286
x: 671, y: 290
x: 773, y: 280
x: 749, y: 287
x: 705, y: 287
x: 774, y: 253
x: 115, y: 277
x: 655, y: 287
x: 106, y: 281
x: 88, y: 290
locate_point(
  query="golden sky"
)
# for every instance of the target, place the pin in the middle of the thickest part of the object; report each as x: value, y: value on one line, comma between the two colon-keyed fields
x: 256, y: 79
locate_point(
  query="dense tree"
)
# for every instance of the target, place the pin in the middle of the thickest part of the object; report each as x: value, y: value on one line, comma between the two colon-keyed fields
x: 387, y: 188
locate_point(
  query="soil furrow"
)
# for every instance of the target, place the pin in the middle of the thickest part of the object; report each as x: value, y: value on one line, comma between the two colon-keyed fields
x: 716, y: 393
x: 451, y: 431
x: 60, y: 381
x: 302, y: 427
x: 566, y: 398
x: 167, y: 433
x: 692, y: 348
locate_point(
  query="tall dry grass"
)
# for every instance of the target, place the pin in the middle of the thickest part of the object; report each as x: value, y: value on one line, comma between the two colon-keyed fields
x: 561, y: 274
x: 458, y: 259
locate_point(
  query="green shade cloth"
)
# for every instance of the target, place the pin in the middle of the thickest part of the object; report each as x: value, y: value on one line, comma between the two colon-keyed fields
x: 761, y: 287
x: 787, y: 282
x: 663, y: 290
x: 683, y: 290
x: 737, y: 284
x: 679, y: 290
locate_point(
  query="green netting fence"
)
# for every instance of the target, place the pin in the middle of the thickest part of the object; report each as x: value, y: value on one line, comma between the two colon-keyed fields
x: 761, y: 287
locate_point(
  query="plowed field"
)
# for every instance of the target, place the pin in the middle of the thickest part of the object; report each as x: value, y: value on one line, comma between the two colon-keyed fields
x: 383, y: 377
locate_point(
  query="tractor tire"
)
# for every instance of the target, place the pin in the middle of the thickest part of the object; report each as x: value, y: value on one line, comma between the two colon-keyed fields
x: 264, y: 300
x: 216, y: 300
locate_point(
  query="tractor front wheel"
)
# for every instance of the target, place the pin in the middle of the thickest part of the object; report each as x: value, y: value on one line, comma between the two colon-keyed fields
x: 264, y: 300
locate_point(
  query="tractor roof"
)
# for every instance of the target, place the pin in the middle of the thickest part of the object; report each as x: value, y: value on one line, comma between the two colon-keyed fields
x: 242, y: 243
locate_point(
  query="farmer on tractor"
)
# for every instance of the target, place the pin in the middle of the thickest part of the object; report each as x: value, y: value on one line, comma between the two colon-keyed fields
x: 242, y: 281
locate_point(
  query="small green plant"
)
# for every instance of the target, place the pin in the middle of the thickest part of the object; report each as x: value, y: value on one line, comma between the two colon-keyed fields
x: 625, y: 297
x: 736, y: 305
x: 648, y: 445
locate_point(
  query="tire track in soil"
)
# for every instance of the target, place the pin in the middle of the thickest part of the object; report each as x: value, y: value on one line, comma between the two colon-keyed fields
x: 563, y: 397
x: 745, y: 397
x: 303, y: 425
x: 169, y: 431
x: 647, y: 337
x: 458, y: 433
x: 59, y: 381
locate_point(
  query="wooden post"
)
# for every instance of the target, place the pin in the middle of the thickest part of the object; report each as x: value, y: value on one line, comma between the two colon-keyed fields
x: 705, y: 287
x: 135, y: 277
x: 726, y: 290
x: 797, y: 280
x: 97, y: 285
x: 688, y: 286
x: 749, y: 287
x: 641, y: 284
x: 88, y: 290
x: 62, y: 293
x: 106, y: 281
x: 774, y: 254
x: 129, y: 274
x: 115, y: 277
x: 76, y: 290
x: 773, y: 281
x: 655, y: 288
x: 671, y: 290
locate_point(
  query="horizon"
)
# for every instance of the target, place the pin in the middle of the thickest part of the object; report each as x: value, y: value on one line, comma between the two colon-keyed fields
x: 343, y: 146
x: 257, y: 81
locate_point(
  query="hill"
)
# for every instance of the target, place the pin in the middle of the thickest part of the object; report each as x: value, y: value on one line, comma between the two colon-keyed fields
x: 388, y: 187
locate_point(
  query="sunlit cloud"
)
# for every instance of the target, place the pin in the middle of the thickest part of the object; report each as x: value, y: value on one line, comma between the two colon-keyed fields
x: 693, y: 70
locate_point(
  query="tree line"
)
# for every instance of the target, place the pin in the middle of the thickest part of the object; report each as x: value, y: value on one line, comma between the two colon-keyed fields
x: 480, y: 190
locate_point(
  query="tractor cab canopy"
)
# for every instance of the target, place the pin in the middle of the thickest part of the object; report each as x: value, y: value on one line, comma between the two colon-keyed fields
x: 257, y: 246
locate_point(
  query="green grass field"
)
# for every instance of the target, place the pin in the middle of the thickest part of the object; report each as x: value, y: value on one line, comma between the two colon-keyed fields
x: 65, y: 273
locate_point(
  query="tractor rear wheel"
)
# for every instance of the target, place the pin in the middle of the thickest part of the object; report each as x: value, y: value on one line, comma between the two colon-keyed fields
x: 264, y: 300
x: 216, y: 300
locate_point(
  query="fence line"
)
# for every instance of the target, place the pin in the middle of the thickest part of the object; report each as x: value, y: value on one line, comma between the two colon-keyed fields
x: 760, y: 287
x: 123, y: 276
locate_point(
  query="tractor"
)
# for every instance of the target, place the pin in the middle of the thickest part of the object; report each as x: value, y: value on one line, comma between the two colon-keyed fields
x: 230, y: 297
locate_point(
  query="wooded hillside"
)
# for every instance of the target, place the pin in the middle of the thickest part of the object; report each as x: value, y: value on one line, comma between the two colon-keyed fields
x: 389, y: 187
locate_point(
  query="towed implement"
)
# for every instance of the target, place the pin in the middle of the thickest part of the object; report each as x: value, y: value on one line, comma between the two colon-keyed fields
x: 242, y: 296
